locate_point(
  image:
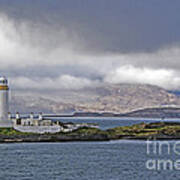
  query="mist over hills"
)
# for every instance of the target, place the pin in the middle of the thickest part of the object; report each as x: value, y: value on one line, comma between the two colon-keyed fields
x: 119, y: 98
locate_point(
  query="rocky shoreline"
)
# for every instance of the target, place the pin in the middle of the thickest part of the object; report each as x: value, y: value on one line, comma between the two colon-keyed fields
x: 142, y: 131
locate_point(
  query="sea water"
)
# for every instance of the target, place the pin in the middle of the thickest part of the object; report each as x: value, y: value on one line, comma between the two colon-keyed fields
x: 113, y: 160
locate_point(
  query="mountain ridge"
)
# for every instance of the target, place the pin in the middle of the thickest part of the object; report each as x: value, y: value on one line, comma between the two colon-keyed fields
x: 119, y: 98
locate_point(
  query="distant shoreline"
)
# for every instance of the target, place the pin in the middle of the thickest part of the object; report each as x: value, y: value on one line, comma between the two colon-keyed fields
x: 153, y: 112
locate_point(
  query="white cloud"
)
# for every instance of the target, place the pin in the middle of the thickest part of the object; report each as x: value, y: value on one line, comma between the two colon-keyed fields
x: 62, y: 82
x: 165, y: 78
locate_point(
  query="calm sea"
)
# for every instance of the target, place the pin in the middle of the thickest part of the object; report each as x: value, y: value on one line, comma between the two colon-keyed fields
x: 114, y: 160
x: 106, y: 122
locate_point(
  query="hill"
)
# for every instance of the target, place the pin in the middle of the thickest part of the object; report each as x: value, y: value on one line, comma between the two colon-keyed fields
x: 120, y: 98
x: 155, y: 112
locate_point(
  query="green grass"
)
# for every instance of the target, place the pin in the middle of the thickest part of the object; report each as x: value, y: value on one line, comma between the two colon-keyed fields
x: 146, y: 130
x: 87, y: 131
x: 11, y: 131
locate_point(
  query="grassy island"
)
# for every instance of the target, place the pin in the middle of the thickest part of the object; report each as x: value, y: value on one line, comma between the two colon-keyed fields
x: 157, y: 130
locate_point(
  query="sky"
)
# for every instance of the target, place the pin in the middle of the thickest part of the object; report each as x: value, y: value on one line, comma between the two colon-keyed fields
x: 67, y: 44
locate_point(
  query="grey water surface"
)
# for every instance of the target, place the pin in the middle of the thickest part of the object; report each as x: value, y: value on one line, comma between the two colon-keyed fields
x: 113, y: 160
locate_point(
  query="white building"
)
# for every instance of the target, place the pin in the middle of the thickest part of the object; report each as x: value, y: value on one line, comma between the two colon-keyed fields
x: 4, y: 103
x: 40, y: 125
x: 33, y: 124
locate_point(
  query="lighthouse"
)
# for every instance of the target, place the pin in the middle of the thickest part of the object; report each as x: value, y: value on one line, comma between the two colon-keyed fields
x: 4, y: 103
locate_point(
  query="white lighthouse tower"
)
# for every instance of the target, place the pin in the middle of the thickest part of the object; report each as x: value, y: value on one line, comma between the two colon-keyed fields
x: 4, y: 103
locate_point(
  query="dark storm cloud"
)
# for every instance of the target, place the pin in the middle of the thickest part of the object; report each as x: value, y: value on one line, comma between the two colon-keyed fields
x: 74, y: 44
x: 118, y: 26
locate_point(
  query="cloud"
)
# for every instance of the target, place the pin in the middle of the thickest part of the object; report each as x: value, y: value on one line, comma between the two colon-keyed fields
x: 165, y: 78
x: 37, y: 56
x: 62, y: 82
x: 23, y: 44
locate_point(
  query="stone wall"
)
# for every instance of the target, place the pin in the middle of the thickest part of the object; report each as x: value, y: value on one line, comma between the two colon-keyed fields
x: 39, y: 129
